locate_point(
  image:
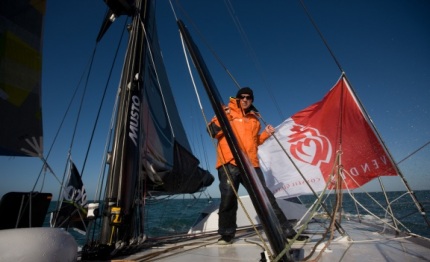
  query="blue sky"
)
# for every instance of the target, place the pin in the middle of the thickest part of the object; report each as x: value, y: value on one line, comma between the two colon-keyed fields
x: 383, y: 46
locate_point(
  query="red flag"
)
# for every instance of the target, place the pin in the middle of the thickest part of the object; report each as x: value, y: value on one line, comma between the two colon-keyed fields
x: 314, y: 136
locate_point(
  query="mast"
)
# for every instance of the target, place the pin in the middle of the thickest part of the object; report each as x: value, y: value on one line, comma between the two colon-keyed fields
x: 125, y: 159
x: 258, y: 196
x: 150, y: 149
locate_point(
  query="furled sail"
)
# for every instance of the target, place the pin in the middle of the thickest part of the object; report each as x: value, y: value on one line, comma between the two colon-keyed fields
x: 20, y: 77
x: 166, y: 153
x: 329, y: 133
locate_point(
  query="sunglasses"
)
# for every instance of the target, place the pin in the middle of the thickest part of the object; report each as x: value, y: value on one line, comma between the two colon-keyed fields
x: 245, y: 97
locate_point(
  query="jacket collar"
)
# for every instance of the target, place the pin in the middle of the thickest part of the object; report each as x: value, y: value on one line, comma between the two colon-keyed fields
x: 235, y: 106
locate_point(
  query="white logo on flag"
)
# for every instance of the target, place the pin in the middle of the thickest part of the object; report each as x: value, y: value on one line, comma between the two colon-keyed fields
x: 309, y: 146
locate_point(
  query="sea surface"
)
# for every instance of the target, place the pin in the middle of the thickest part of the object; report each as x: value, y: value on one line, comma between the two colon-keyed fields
x: 173, y: 216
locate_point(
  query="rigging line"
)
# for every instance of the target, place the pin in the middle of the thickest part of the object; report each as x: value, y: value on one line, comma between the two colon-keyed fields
x: 367, y: 117
x: 396, y: 199
x: 246, y: 41
x: 321, y: 35
x: 201, y: 36
x: 214, y: 144
x: 108, y: 143
x: 341, y: 134
x: 192, y: 78
x: 414, y: 152
x: 196, y: 91
x: 77, y: 120
x: 351, y: 177
x: 374, y: 200
x: 191, y: 75
x: 312, y: 211
x: 338, y: 226
x: 213, y: 141
x: 253, y: 54
x: 417, y: 203
x: 103, y: 99
x: 194, y: 87
x: 205, y: 154
x: 57, y: 133
x: 390, y: 210
x: 338, y: 201
x: 45, y: 168
x: 272, y: 227
x: 374, y: 215
x: 151, y: 55
x: 345, y: 84
x: 307, y: 219
x: 82, y: 100
x: 333, y: 221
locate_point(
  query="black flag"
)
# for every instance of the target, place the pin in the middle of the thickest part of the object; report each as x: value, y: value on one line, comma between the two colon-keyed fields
x: 72, y: 212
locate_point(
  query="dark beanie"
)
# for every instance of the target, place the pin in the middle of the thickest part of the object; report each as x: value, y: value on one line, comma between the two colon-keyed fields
x: 245, y: 90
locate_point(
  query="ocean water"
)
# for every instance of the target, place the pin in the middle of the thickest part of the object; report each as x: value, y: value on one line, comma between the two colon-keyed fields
x: 163, y: 217
x: 173, y: 216
x: 402, y: 206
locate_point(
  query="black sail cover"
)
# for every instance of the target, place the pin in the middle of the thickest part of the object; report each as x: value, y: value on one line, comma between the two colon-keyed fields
x: 166, y: 153
x: 150, y: 134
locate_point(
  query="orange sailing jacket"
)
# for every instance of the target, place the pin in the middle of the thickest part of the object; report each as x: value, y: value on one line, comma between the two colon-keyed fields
x: 246, y: 128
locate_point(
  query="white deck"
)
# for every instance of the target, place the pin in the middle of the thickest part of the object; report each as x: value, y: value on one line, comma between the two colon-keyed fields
x: 363, y: 243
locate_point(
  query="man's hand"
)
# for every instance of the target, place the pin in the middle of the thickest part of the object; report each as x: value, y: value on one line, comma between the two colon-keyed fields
x: 270, y: 129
